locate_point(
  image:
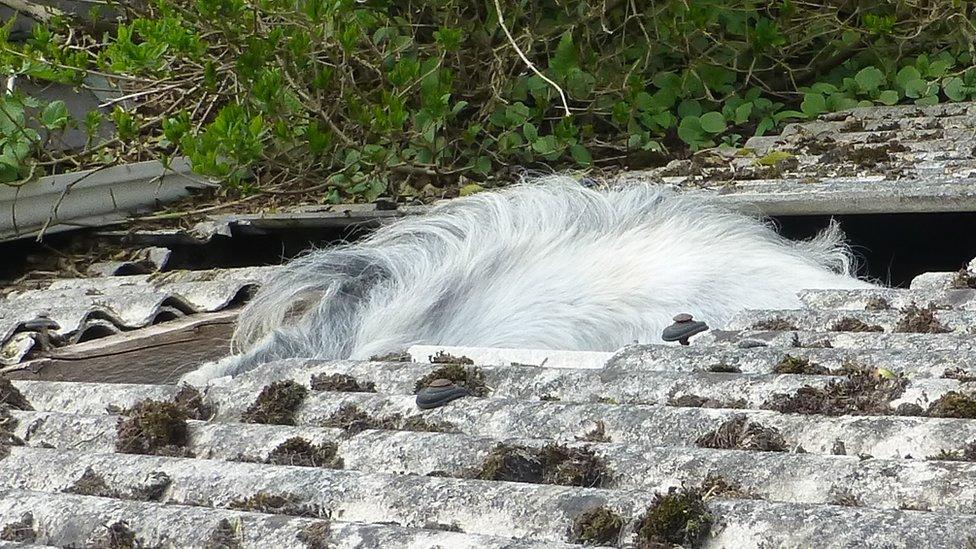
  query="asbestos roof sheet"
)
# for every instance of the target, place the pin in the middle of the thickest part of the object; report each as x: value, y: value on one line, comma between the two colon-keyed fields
x: 868, y: 160
x: 357, y: 463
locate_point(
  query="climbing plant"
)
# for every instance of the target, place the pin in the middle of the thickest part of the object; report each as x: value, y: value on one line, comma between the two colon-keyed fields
x: 354, y: 100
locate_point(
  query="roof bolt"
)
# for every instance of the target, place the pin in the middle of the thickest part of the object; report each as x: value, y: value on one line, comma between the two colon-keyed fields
x: 683, y: 328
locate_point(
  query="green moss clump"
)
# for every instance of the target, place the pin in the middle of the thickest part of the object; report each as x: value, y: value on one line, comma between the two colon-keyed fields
x: 738, y: 433
x: 774, y: 157
x: 401, y: 356
x: 723, y: 368
x: 862, y: 392
x: 21, y: 531
x: 953, y: 405
x: 469, y: 377
x: 678, y: 518
x: 877, y: 304
x: 12, y: 397
x: 596, y: 526
x: 193, y: 403
x: 118, y: 535
x: 342, y: 383
x: 551, y: 464
x: 276, y: 404
x: 277, y: 504
x: 967, y: 453
x: 920, y: 320
x: 774, y: 325
x: 91, y: 483
x: 963, y: 280
x: 299, y: 452
x: 224, y: 536
x: 799, y: 365
x: 316, y: 535
x: 153, y: 427
x: 849, y: 324
x: 354, y: 420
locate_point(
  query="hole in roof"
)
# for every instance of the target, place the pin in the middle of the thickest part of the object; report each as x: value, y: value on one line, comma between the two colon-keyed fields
x: 895, y: 248
x: 96, y: 331
x: 165, y: 315
x: 177, y: 304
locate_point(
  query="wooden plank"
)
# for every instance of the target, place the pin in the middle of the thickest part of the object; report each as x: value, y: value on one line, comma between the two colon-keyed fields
x: 155, y: 354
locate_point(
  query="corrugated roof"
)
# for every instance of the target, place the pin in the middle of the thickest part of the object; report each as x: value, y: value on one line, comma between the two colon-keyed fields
x: 85, y: 308
x: 834, y: 455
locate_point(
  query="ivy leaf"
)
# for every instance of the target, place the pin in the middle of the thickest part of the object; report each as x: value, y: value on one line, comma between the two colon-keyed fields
x: 712, y: 122
x: 813, y: 104
x: 530, y: 132
x: 916, y: 88
x: 742, y: 113
x: 906, y: 75
x: 888, y: 97
x: 545, y: 145
x: 869, y: 79
x: 954, y: 88
x: 689, y: 107
x: 690, y: 130
x: 581, y: 155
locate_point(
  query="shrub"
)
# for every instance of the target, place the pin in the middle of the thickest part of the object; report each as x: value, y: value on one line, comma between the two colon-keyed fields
x: 357, y: 100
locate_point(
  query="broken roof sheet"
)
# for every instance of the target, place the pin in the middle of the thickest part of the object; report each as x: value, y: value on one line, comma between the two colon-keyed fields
x: 833, y: 455
x: 86, y: 308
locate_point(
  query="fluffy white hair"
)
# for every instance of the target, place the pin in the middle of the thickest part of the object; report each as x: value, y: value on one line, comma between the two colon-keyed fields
x: 544, y: 265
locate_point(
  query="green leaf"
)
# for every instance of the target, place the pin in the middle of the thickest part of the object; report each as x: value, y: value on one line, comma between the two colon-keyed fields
x: 869, y: 79
x: 742, y: 113
x: 712, y: 122
x: 470, y: 189
x: 545, y: 145
x: 689, y: 107
x: 927, y: 100
x: 813, y: 104
x: 916, y: 88
x: 765, y: 125
x: 888, y: 97
x: 565, y: 57
x: 530, y: 132
x: 954, y: 88
x: 690, y: 130
x: 905, y: 75
x: 55, y: 115
x: 581, y: 155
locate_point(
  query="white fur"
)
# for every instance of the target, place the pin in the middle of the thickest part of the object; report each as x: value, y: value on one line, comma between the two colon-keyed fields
x: 546, y: 265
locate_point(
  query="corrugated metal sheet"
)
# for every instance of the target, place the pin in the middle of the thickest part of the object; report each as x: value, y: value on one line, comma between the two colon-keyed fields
x: 894, y: 476
x: 91, y: 198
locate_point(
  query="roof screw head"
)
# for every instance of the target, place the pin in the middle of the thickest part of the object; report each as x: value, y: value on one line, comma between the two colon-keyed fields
x: 683, y: 328
x: 440, y: 382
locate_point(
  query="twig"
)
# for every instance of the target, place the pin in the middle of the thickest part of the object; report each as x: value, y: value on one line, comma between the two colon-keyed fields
x: 511, y: 40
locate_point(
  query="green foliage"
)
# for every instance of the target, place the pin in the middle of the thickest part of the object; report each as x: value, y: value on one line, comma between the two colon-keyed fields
x: 361, y: 99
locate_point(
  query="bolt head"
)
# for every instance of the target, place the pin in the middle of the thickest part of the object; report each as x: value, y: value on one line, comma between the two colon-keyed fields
x: 683, y: 317
x: 440, y: 382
